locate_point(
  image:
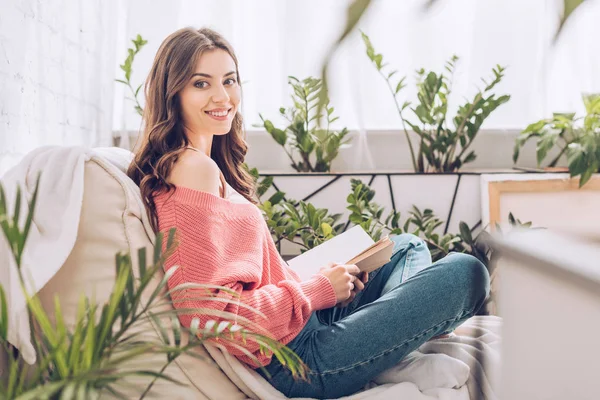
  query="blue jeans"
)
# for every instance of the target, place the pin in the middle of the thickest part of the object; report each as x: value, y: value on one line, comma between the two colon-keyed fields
x: 404, y: 304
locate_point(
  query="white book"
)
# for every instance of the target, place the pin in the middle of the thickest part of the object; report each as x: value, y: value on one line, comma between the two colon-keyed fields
x: 354, y: 246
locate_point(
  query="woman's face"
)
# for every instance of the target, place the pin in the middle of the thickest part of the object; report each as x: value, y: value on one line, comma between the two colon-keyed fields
x: 211, y: 98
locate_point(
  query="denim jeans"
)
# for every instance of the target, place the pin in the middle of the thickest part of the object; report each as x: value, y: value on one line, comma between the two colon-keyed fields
x: 404, y: 304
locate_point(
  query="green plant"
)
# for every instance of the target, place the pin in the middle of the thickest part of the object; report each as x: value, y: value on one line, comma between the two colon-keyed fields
x: 442, y: 148
x: 302, y: 133
x: 307, y: 226
x: 424, y: 224
x: 298, y: 222
x: 138, y: 44
x: 94, y: 356
x: 479, y: 246
x: 355, y: 11
x: 291, y: 221
x: 368, y: 214
x: 578, y: 138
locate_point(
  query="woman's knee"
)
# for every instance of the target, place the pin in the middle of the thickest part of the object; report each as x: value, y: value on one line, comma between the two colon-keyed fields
x: 469, y: 275
x: 405, y: 240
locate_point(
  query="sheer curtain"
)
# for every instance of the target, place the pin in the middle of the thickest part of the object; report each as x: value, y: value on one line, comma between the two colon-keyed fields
x: 274, y: 39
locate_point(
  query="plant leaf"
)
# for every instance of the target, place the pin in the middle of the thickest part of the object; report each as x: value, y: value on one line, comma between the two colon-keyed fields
x: 569, y: 7
x: 465, y: 232
x: 3, y: 316
x: 326, y: 228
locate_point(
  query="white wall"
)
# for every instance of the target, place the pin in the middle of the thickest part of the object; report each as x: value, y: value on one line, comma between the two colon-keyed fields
x: 388, y: 150
x: 56, y: 74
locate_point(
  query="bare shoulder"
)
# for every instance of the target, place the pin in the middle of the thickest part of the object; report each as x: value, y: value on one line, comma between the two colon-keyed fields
x: 196, y: 171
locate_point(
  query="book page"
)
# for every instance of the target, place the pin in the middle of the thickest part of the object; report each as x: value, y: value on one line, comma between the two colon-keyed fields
x: 339, y: 249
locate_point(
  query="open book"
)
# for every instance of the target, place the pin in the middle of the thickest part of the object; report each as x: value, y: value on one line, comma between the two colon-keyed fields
x: 354, y: 246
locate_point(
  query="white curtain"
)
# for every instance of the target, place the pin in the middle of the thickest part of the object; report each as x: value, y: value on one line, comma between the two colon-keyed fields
x: 274, y: 39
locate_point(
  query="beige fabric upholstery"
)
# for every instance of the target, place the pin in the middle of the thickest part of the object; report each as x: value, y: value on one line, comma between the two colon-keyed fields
x: 111, y: 221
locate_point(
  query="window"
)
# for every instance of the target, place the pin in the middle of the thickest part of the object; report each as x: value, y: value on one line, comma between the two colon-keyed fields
x: 274, y: 39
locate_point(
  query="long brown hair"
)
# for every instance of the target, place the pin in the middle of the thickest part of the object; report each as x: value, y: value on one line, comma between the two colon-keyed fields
x: 163, y: 137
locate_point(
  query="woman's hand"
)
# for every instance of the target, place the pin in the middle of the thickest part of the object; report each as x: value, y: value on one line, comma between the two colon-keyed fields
x: 342, y: 278
x: 359, y: 284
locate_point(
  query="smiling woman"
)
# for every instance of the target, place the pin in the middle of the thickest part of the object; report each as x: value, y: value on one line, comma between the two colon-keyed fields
x: 192, y: 100
x: 190, y: 172
x: 212, y: 97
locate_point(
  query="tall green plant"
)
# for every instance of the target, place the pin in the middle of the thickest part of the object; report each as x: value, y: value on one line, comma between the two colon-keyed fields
x: 442, y: 146
x: 577, y: 138
x: 138, y: 44
x: 95, y: 356
x: 316, y: 146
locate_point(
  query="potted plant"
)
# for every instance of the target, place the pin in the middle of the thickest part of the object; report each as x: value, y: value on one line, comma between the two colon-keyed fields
x: 304, y: 226
x: 576, y: 138
x: 442, y: 146
x: 310, y: 147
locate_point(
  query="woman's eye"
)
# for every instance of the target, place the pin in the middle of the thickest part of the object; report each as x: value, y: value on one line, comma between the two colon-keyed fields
x: 230, y: 81
x: 201, y: 84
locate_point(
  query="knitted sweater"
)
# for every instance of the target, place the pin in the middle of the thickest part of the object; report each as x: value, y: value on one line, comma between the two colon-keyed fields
x: 229, y: 244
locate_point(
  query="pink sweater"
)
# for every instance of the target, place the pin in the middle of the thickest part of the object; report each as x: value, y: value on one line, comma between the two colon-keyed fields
x: 229, y: 244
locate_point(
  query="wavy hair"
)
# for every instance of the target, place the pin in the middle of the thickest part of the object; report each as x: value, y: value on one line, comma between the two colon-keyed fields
x: 163, y: 138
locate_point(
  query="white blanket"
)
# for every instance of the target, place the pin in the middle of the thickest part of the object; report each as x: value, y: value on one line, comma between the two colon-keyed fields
x: 54, y: 228
x: 442, y: 369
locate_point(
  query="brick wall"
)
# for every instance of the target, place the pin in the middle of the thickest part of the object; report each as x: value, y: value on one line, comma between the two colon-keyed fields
x: 57, y: 66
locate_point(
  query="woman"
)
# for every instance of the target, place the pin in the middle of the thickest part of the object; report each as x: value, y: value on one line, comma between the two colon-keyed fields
x: 346, y: 327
